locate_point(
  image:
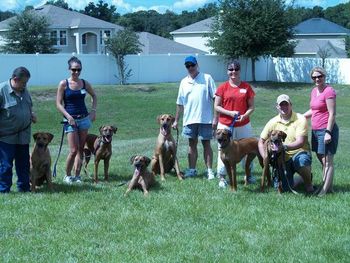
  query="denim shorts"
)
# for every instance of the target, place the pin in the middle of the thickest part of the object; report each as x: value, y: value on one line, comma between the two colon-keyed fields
x: 317, y: 141
x: 81, y: 124
x: 198, y: 130
x: 299, y: 160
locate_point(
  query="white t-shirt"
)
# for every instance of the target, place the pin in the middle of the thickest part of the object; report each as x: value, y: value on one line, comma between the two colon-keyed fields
x: 197, y: 95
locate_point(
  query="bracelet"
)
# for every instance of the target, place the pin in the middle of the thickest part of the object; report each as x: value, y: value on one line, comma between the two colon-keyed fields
x: 328, y: 131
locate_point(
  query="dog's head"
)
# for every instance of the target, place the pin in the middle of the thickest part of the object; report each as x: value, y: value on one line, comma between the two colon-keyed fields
x: 276, y: 139
x: 42, y: 139
x: 165, y: 121
x: 140, y: 162
x: 223, y: 137
x: 107, y: 131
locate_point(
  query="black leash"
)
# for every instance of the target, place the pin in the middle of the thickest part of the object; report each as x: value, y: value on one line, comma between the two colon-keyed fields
x: 59, y: 150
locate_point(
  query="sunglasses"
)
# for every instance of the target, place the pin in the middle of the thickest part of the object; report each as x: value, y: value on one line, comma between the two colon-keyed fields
x: 190, y: 65
x: 233, y: 69
x: 317, y: 77
x: 75, y: 69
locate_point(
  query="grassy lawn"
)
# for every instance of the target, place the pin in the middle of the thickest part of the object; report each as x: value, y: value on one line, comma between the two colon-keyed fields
x: 188, y: 221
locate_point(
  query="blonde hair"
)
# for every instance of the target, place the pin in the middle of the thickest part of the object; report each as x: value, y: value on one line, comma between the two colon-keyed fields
x: 319, y: 70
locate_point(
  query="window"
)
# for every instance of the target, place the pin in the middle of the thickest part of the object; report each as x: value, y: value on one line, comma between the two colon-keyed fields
x: 103, y: 35
x: 59, y: 38
x: 63, y: 38
x: 84, y: 39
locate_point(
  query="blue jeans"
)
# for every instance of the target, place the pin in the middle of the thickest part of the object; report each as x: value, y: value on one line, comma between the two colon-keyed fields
x: 20, y: 154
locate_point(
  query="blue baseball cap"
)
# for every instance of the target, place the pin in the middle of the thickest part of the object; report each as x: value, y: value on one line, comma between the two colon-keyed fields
x: 191, y: 59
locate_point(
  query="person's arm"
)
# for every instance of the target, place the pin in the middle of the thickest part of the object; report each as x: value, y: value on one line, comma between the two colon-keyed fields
x: 179, y: 111
x: 331, y: 119
x: 261, y: 147
x: 298, y: 143
x: 218, y: 108
x: 249, y: 111
x: 59, y: 102
x: 308, y: 114
x: 92, y: 93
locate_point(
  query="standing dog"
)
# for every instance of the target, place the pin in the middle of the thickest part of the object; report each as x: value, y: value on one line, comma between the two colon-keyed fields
x: 101, y: 147
x: 142, y: 178
x: 40, y: 166
x: 232, y: 152
x: 164, y: 158
x: 274, y: 156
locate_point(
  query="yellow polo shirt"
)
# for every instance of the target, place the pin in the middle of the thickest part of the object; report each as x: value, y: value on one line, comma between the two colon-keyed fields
x: 296, y: 126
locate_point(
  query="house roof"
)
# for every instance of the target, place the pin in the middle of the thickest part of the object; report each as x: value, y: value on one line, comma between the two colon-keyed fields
x: 63, y: 18
x: 312, y: 46
x: 319, y: 26
x: 153, y: 44
x: 203, y: 26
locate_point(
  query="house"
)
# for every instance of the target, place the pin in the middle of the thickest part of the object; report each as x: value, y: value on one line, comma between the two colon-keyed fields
x: 318, y: 34
x: 312, y: 35
x: 73, y: 31
x: 194, y: 35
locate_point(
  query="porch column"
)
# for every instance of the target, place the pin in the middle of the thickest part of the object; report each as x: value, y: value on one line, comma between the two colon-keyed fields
x: 77, y: 43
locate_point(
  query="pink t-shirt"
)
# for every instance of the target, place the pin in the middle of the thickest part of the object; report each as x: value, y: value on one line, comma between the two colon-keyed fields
x: 318, y: 106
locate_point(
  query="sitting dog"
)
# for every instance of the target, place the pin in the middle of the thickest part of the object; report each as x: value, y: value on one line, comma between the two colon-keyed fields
x: 164, y: 159
x: 232, y: 152
x: 274, y: 156
x: 40, y: 165
x: 101, y: 147
x: 142, y: 178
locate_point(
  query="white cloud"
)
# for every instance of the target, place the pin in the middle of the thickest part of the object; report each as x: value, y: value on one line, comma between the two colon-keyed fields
x: 190, y: 4
x: 121, y: 4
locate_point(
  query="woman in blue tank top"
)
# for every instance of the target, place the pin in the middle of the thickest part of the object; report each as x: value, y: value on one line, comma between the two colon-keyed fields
x: 70, y: 101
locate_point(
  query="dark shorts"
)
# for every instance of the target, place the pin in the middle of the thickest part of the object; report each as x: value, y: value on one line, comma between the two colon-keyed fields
x: 317, y: 141
x: 198, y: 130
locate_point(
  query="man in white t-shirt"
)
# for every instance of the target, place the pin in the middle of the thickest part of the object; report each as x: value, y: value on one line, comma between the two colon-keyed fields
x: 195, y: 100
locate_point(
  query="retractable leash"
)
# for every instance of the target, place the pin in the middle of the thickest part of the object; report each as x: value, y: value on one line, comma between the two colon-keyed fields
x: 59, y: 150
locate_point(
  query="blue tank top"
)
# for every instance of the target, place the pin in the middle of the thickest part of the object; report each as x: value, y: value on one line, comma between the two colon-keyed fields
x: 74, y: 100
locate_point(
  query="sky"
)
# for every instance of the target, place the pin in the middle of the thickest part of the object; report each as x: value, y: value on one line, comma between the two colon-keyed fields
x: 128, y: 6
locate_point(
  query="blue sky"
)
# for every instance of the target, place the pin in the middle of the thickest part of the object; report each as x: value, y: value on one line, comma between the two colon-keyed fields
x: 126, y: 6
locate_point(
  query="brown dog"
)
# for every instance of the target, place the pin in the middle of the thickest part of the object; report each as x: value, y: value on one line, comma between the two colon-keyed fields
x: 142, y: 178
x: 274, y: 156
x: 40, y: 166
x: 101, y: 148
x: 164, y: 159
x: 232, y: 152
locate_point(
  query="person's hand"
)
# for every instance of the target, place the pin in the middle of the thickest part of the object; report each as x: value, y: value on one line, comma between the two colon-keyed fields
x: 71, y: 121
x: 327, y: 138
x: 92, y: 115
x: 242, y: 117
x: 34, y: 118
x: 174, y: 125
x: 234, y: 113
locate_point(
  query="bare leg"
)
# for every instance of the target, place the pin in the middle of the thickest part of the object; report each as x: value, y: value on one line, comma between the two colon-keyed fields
x: 73, y: 141
x: 208, y: 153
x: 328, y: 174
x: 79, y: 157
x: 192, y: 153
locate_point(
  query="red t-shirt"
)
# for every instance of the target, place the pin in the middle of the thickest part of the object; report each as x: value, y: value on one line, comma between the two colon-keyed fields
x: 234, y: 98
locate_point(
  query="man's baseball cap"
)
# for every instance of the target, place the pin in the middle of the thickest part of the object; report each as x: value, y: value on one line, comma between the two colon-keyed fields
x: 282, y: 98
x: 191, y: 59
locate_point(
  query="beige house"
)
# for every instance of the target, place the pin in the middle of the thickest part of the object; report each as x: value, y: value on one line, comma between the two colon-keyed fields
x: 73, y: 31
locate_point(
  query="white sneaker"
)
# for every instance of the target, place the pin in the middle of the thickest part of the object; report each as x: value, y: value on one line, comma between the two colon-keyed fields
x: 77, y: 179
x: 211, y: 174
x: 68, y: 179
x: 222, y: 183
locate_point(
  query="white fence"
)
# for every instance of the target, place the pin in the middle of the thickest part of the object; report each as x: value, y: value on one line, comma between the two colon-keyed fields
x: 49, y: 69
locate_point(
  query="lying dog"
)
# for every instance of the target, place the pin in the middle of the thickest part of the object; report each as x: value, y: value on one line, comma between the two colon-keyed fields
x: 164, y: 159
x: 232, y: 152
x: 40, y: 166
x: 142, y: 178
x: 274, y: 156
x: 101, y: 147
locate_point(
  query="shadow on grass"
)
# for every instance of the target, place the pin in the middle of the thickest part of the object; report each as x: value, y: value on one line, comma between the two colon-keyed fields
x: 69, y: 188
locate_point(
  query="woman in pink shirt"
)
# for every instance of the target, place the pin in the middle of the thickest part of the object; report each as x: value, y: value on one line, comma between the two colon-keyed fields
x: 325, y: 132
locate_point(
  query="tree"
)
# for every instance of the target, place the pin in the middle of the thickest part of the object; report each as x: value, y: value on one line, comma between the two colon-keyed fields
x: 121, y: 44
x: 347, y: 46
x: 59, y: 3
x: 28, y: 33
x: 6, y: 14
x: 250, y: 28
x: 323, y: 53
x: 102, y: 11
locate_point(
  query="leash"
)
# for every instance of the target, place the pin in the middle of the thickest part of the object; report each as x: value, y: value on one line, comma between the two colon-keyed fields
x: 59, y: 150
x: 285, y: 176
x: 233, y: 124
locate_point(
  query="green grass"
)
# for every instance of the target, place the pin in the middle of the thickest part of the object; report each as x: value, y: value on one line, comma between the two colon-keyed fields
x: 188, y: 221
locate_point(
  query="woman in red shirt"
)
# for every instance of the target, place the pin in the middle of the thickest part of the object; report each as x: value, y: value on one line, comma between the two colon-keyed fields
x: 234, y: 98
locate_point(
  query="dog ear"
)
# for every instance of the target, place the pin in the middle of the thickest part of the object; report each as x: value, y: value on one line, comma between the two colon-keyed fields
x: 132, y: 158
x: 35, y: 135
x: 172, y: 119
x: 283, y: 135
x: 229, y: 133
x: 148, y: 160
x: 158, y: 118
x: 50, y: 135
x: 114, y: 128
x: 101, y: 127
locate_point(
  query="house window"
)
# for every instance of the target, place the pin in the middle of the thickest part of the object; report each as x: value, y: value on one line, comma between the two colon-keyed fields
x: 53, y: 37
x: 63, y: 38
x: 103, y: 35
x: 84, y: 39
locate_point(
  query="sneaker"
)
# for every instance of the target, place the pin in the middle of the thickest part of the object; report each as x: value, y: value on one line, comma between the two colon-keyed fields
x: 77, y: 179
x: 68, y: 179
x: 222, y: 183
x: 251, y: 179
x: 190, y: 173
x: 211, y: 174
